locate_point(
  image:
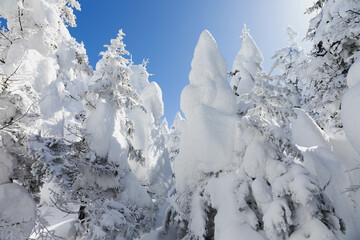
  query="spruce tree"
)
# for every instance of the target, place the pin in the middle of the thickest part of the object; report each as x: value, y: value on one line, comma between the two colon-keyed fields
x: 334, y: 32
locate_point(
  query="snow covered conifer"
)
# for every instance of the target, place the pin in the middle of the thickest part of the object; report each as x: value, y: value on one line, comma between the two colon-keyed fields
x: 149, y: 160
x: 92, y: 172
x: 116, y: 206
x: 290, y: 61
x: 269, y: 177
x: 251, y: 187
x: 173, y: 143
x: 30, y: 59
x: 206, y: 140
x: 335, y: 34
x: 247, y: 65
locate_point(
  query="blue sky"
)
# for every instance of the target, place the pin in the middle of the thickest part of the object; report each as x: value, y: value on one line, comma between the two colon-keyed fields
x: 166, y: 32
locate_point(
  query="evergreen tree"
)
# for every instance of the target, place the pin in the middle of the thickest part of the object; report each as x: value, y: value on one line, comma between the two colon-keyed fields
x: 94, y: 173
x: 253, y: 186
x: 206, y: 140
x: 335, y: 35
x: 32, y: 52
x: 289, y: 61
x: 247, y: 65
x: 150, y: 159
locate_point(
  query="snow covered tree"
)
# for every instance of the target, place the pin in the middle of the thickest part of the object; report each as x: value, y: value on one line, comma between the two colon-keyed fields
x: 93, y: 171
x: 35, y: 44
x: 349, y: 116
x: 263, y: 147
x: 289, y: 61
x: 247, y: 65
x: 206, y: 140
x: 173, y: 143
x: 335, y: 35
x: 240, y: 177
x: 150, y: 159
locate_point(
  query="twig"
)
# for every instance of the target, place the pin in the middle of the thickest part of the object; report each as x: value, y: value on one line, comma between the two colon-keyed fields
x: 62, y: 209
x: 21, y: 28
x: 12, y: 74
x: 75, y: 134
x: 18, y: 119
x: 90, y: 103
x: 6, y: 37
x: 352, y: 11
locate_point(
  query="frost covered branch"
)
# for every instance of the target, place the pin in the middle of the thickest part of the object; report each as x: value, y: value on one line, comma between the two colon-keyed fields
x: 18, y: 119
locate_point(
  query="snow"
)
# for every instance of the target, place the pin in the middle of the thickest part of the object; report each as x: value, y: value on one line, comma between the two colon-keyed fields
x: 229, y: 222
x: 353, y: 76
x: 6, y: 166
x: 155, y: 172
x: 209, y: 107
x: 7, y: 111
x: 157, y: 234
x: 208, y: 85
x: 18, y: 212
x: 255, y: 159
x: 134, y: 193
x: 63, y: 230
x: 100, y: 125
x: 246, y: 64
x: 350, y: 115
x: 306, y: 132
x: 328, y: 159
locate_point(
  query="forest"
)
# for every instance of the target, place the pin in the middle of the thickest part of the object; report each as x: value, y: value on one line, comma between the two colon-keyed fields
x: 86, y: 153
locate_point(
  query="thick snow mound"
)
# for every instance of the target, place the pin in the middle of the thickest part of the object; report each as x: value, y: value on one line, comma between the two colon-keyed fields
x: 150, y: 92
x: 350, y: 115
x: 353, y: 76
x: 208, y: 63
x: 208, y: 79
x: 306, y: 133
x: 18, y: 212
x: 229, y: 222
x: 246, y: 65
x: 101, y: 126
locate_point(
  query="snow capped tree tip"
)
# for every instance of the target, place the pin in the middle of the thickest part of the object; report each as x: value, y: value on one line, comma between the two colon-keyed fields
x: 117, y: 46
x: 208, y: 62
x: 247, y: 65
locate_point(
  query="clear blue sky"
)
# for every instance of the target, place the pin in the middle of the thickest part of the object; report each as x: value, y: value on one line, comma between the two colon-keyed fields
x: 166, y: 32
